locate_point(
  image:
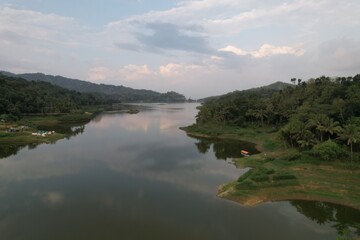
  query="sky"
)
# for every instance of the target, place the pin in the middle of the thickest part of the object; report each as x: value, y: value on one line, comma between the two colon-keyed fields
x: 198, y: 48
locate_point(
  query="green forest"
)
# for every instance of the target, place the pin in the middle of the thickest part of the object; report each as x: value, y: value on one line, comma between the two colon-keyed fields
x: 321, y: 114
x: 19, y: 97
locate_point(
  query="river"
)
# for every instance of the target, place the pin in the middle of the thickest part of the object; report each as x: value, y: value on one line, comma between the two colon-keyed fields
x: 137, y: 176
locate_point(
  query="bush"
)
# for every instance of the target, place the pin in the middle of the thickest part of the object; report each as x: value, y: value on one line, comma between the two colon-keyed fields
x: 284, y: 176
x: 272, y: 130
x: 246, y: 184
x: 256, y: 175
x: 269, y: 159
x: 245, y: 176
x: 260, y: 178
x: 292, y: 157
x: 75, y: 118
x: 329, y: 150
x: 4, y: 134
x: 260, y: 175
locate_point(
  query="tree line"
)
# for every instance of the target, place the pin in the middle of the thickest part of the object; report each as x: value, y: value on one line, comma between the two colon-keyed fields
x: 119, y: 93
x: 19, y: 97
x: 320, y: 114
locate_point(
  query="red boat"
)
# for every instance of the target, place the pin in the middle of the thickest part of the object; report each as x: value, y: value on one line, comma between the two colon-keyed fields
x: 245, y: 153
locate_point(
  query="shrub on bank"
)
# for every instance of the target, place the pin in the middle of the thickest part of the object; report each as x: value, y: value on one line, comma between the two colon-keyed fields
x: 329, y: 150
x: 284, y: 176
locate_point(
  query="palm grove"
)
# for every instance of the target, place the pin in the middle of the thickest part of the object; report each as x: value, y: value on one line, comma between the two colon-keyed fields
x: 321, y: 115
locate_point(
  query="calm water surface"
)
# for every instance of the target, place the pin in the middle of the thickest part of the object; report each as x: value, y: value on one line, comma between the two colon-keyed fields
x: 140, y: 177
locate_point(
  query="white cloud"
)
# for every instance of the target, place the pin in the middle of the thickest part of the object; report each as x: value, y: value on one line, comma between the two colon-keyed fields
x: 216, y: 58
x: 53, y: 198
x: 133, y: 72
x: 170, y: 69
x: 265, y: 50
x: 269, y: 50
x: 18, y: 25
x: 130, y: 72
x: 234, y: 50
x: 100, y: 74
x: 175, y: 69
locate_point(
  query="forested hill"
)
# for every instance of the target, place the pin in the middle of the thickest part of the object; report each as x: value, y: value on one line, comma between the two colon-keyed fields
x: 267, y: 89
x: 123, y: 94
x: 19, y: 96
x: 308, y: 114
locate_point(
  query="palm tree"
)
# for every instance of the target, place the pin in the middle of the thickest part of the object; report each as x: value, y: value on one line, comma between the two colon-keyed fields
x: 318, y: 122
x: 350, y: 134
x: 304, y: 137
x: 286, y: 134
x: 330, y: 126
x: 260, y: 114
x: 296, y: 132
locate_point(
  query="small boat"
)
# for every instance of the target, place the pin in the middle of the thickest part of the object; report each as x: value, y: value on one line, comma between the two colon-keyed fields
x: 245, y: 153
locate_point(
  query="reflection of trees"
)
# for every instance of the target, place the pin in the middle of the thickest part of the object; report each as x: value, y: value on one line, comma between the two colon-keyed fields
x: 203, y: 146
x: 344, y: 217
x: 76, y: 131
x: 224, y: 149
x: 7, y: 150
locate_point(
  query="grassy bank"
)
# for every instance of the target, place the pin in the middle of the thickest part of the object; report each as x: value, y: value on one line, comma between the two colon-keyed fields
x: 280, y: 173
x: 62, y: 124
x: 16, y: 135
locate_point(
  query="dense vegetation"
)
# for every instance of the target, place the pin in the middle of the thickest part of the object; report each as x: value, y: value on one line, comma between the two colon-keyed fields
x: 321, y: 114
x: 19, y: 97
x: 121, y: 93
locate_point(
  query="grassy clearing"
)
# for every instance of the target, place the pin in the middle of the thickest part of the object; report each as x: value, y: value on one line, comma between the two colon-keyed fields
x: 280, y: 180
x: 280, y: 173
x: 265, y: 139
x: 11, y: 142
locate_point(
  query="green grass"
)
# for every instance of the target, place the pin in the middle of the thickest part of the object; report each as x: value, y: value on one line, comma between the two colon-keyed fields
x: 10, y: 142
x: 60, y: 123
x: 265, y: 141
x: 75, y: 118
x: 280, y: 173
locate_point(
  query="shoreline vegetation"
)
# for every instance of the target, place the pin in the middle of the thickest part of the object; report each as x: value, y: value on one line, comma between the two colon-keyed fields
x: 35, y: 112
x: 282, y: 173
x: 29, y: 129
x: 308, y: 133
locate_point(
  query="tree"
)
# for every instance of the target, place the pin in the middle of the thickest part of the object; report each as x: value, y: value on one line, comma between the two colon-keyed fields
x: 329, y: 150
x: 330, y: 126
x: 351, y: 135
x: 318, y: 122
x: 338, y: 106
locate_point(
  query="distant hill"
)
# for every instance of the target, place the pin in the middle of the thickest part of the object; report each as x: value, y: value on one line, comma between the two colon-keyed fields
x: 277, y: 86
x: 123, y: 94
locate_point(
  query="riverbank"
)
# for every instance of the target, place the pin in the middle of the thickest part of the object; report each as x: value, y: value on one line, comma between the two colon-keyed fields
x: 34, y: 130
x: 279, y: 173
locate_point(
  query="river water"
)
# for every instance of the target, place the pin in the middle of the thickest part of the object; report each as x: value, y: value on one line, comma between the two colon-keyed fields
x: 137, y: 176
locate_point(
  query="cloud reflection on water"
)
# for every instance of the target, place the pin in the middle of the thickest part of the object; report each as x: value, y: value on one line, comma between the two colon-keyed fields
x: 117, y: 171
